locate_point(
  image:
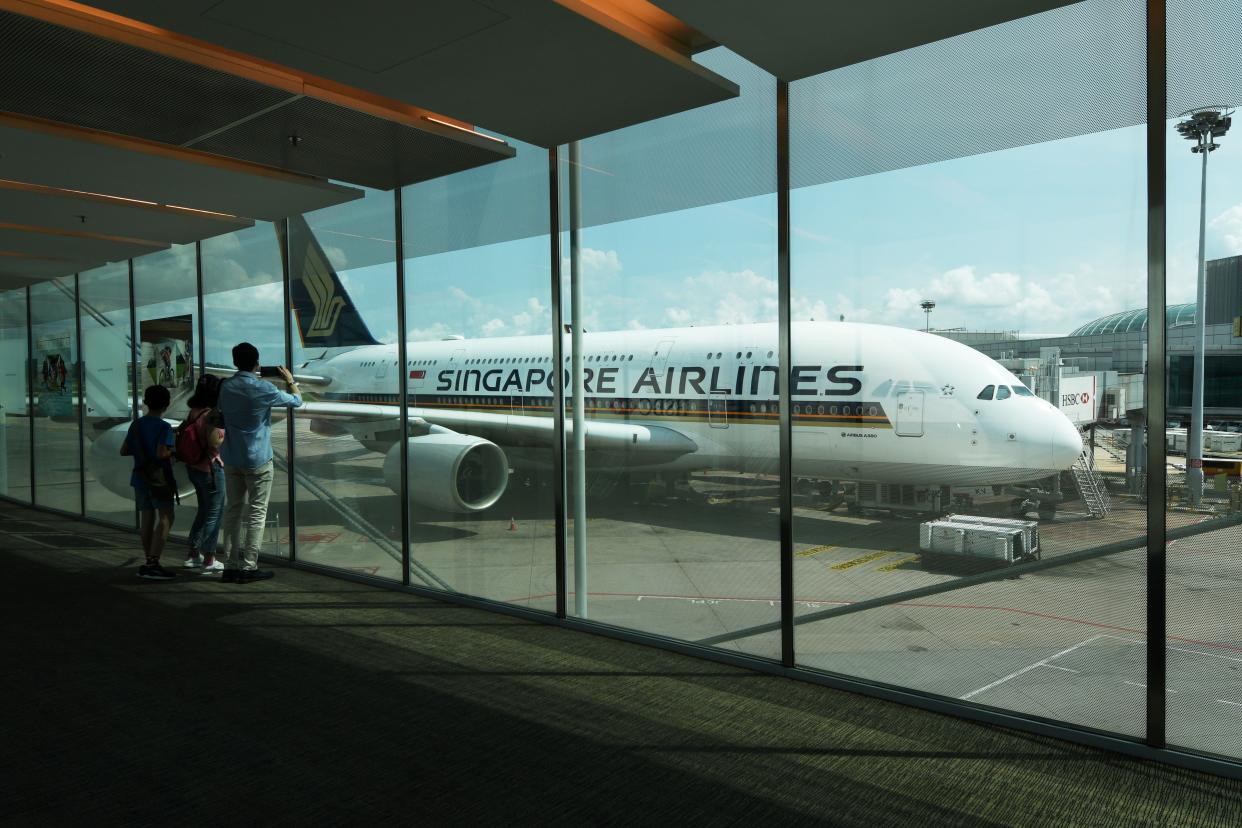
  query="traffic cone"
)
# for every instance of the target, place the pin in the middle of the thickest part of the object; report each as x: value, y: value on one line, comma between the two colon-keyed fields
x: 512, y: 525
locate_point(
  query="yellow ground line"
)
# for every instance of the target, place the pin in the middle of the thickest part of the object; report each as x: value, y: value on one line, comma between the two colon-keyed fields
x: 897, y: 564
x: 815, y: 550
x: 860, y: 561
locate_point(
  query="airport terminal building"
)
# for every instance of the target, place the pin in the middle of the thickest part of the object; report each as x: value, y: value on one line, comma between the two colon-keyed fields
x: 622, y: 317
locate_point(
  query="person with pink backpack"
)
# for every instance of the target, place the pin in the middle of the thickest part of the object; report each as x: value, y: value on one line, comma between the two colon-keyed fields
x: 198, y: 446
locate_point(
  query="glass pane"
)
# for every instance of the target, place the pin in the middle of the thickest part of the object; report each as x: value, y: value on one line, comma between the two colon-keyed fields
x: 1204, y: 407
x: 343, y: 285
x: 55, y: 365
x: 166, y: 313
x: 108, y: 392
x: 244, y: 301
x: 480, y: 450
x: 679, y: 366
x: 14, y: 397
x: 928, y: 284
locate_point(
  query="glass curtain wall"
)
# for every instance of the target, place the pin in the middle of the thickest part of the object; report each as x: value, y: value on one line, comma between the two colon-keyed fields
x: 244, y: 301
x: 166, y: 351
x: 946, y: 427
x: 107, y: 391
x: 54, y: 360
x: 677, y: 271
x: 1204, y: 651
x: 480, y: 373
x: 14, y: 397
x: 343, y: 289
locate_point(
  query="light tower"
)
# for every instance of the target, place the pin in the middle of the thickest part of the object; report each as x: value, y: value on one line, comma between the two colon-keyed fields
x: 927, y: 306
x: 1201, y: 126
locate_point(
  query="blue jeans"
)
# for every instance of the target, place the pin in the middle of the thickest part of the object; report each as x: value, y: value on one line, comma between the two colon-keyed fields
x: 209, y: 490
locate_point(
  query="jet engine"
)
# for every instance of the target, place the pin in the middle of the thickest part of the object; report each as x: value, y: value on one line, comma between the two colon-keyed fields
x: 112, y: 471
x: 449, y: 471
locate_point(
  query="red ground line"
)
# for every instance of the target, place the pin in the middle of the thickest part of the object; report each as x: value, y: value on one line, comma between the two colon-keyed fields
x: 1067, y: 619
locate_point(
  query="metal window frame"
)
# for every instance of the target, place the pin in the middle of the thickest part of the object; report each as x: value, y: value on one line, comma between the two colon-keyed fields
x: 1155, y: 386
x: 784, y: 387
x: 558, y: 392
x: 403, y: 385
x: 290, y: 417
x: 80, y: 377
x: 30, y: 391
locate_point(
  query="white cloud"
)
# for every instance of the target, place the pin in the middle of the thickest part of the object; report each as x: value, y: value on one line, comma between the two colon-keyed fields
x: 463, y: 297
x: 1227, y: 228
x: 961, y: 285
x: 492, y: 327
x: 596, y: 264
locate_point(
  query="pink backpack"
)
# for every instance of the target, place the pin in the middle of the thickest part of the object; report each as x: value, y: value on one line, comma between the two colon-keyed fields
x: 189, y: 446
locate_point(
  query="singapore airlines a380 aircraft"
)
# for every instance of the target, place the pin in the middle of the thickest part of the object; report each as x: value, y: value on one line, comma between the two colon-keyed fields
x: 870, y: 402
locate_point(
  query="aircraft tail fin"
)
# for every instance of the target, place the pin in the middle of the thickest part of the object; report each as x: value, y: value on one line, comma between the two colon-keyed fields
x: 325, y: 313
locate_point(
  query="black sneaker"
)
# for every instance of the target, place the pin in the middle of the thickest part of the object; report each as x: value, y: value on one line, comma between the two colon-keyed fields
x: 245, y: 576
x: 229, y: 576
x: 155, y: 572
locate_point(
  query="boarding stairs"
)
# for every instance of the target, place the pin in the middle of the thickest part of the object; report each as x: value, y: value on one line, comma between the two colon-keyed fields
x: 1091, y: 485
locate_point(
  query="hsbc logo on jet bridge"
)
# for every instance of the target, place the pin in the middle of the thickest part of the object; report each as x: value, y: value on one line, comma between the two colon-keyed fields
x: 1068, y: 400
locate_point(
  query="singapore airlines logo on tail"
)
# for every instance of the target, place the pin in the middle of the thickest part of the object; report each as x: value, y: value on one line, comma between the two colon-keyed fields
x: 322, y: 290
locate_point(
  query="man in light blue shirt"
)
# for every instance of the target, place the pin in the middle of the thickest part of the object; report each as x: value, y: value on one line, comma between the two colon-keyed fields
x: 246, y: 404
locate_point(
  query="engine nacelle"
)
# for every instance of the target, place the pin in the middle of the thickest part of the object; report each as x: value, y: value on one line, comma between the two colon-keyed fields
x: 112, y: 471
x: 450, y: 472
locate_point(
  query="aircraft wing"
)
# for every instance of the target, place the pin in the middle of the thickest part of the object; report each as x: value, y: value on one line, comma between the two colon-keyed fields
x: 641, y: 443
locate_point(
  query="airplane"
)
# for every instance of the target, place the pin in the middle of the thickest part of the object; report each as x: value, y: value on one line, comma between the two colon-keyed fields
x: 870, y: 402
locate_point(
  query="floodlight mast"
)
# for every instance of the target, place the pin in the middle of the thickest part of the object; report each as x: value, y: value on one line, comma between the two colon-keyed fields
x: 927, y: 306
x: 1201, y: 127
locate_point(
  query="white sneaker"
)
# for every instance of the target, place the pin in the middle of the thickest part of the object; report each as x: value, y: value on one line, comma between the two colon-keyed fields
x: 194, y: 562
x: 216, y: 568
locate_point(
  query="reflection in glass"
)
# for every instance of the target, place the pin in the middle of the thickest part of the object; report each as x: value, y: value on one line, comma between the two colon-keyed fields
x: 343, y: 287
x: 54, y: 360
x: 992, y: 431
x: 243, y: 301
x: 108, y: 392
x: 14, y: 397
x: 480, y: 370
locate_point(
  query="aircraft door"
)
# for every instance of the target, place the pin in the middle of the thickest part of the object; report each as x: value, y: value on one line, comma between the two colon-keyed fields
x: 381, y: 369
x: 718, y: 411
x: 660, y: 358
x: 910, y: 414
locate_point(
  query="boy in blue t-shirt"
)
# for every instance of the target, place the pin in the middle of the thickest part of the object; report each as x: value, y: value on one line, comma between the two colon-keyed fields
x: 158, y: 440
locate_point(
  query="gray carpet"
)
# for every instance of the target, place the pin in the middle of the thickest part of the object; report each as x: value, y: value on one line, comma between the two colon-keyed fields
x: 307, y: 700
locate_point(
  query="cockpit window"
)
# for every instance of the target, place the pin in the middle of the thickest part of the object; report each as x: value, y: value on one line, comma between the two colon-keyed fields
x: 986, y: 394
x: 1002, y: 392
x: 1022, y: 391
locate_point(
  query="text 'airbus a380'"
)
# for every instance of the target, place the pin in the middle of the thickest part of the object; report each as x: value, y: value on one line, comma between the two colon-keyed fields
x: 870, y: 402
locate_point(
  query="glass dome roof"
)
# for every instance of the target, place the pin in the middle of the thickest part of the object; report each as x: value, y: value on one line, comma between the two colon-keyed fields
x: 1136, y: 320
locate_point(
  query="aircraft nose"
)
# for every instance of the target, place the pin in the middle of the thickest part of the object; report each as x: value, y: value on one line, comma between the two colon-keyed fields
x: 1066, y: 442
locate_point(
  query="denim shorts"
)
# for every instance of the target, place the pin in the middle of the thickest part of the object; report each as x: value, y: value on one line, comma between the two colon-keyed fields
x: 142, y: 495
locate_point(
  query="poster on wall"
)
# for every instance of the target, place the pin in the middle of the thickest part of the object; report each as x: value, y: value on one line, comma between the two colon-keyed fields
x: 54, y: 375
x: 166, y: 355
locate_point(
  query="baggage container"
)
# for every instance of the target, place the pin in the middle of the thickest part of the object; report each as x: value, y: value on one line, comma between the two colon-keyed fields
x: 971, y: 539
x: 1030, y: 529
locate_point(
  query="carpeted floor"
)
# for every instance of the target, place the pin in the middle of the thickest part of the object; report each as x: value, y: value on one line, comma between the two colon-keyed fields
x: 306, y: 700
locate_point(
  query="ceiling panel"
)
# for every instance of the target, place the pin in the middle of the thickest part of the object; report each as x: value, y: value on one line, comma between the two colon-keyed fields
x: 794, y: 39
x: 55, y: 156
x: 53, y: 245
x: 544, y: 71
x: 64, y: 210
x: 332, y: 142
x: 83, y: 78
x: 27, y: 269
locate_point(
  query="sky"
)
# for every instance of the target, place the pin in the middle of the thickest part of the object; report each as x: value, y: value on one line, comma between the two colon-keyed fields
x: 1038, y: 239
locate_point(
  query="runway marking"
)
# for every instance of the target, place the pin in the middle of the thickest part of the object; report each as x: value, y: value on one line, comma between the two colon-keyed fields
x: 860, y: 561
x: 1180, y: 649
x: 1066, y: 669
x: 815, y: 550
x: 1028, y: 668
x: 1233, y: 704
x: 897, y: 564
x: 1144, y: 686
